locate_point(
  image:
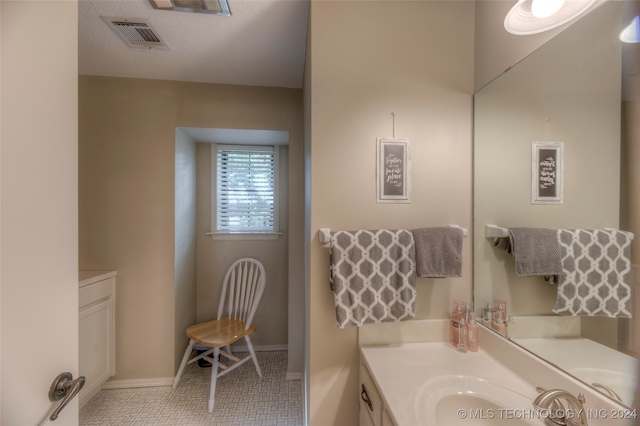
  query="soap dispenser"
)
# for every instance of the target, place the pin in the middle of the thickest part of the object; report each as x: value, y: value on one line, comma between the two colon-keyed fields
x: 499, y: 317
x: 487, y: 314
x: 472, y: 333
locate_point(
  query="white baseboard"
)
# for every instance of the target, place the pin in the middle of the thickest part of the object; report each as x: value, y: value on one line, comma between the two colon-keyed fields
x: 87, y: 394
x: 138, y: 383
x: 168, y: 381
x: 294, y: 376
x: 263, y: 348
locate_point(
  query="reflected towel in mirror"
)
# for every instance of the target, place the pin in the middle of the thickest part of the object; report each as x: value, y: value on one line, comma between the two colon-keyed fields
x: 596, y: 273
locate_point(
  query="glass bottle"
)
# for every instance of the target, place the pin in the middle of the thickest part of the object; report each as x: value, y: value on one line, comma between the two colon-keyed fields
x: 472, y: 333
x: 487, y: 314
x: 458, y: 314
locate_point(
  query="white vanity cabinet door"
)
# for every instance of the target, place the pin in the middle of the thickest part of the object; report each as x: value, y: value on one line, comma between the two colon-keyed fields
x: 386, y: 418
x: 96, y: 335
x: 369, y: 392
x: 365, y: 418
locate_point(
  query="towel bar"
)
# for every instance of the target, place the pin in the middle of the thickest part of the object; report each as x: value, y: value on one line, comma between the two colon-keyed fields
x: 494, y: 231
x: 630, y: 234
x: 324, y: 234
x: 465, y: 232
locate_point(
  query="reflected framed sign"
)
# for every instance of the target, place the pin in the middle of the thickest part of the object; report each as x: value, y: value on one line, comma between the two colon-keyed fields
x: 547, y: 167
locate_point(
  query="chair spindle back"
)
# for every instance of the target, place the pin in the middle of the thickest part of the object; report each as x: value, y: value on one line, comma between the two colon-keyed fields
x: 242, y: 290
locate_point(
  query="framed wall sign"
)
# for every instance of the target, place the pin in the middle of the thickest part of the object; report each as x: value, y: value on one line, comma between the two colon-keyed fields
x: 393, y: 171
x: 547, y: 172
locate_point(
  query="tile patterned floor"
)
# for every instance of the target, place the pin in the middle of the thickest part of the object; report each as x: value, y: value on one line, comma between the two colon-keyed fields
x: 242, y: 399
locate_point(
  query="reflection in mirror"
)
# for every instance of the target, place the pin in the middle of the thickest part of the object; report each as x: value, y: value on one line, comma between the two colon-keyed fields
x: 568, y: 91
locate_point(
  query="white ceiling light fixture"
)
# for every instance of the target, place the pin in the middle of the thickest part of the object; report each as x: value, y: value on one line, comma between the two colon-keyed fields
x: 215, y: 7
x: 545, y: 8
x: 631, y: 33
x: 536, y: 16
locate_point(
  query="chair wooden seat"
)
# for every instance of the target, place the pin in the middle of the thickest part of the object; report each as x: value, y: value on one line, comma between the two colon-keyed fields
x: 219, y: 333
x: 242, y: 290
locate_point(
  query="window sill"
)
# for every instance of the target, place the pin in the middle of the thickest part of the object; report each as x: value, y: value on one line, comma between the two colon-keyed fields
x: 243, y: 236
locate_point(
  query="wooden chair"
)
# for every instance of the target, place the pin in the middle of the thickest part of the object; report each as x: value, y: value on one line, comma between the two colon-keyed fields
x: 241, y: 293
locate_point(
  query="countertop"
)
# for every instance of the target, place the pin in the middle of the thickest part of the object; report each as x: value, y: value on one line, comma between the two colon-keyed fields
x: 400, y: 371
x: 589, y: 361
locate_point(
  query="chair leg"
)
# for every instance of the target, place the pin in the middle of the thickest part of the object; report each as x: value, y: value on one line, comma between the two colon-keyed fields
x: 185, y: 358
x: 214, y: 378
x: 253, y: 356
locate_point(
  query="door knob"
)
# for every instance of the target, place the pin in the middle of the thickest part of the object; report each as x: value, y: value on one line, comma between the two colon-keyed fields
x: 64, y: 388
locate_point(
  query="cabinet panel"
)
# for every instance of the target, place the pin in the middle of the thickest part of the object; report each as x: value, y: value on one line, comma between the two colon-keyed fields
x: 368, y: 391
x: 386, y: 419
x: 96, y: 353
x: 95, y: 292
x: 96, y: 330
x: 365, y: 418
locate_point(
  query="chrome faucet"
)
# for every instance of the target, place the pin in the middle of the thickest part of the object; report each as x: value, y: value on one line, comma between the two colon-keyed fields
x: 564, y: 409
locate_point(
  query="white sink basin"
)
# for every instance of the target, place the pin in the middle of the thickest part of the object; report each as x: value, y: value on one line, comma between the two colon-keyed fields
x: 453, y: 400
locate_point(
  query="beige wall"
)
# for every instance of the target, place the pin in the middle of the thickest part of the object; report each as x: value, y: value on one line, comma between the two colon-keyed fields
x: 548, y: 96
x: 496, y: 49
x: 631, y: 137
x: 631, y: 110
x: 127, y: 202
x: 369, y: 59
x: 38, y: 207
x: 215, y: 257
x: 185, y: 286
x: 308, y: 237
x: 631, y: 131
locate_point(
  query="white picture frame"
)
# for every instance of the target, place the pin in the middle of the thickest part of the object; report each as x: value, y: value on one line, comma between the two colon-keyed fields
x: 547, y: 172
x: 393, y: 170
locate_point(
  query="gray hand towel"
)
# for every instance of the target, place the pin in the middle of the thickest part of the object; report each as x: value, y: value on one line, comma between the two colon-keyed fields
x: 438, y: 252
x: 536, y: 251
x: 502, y: 244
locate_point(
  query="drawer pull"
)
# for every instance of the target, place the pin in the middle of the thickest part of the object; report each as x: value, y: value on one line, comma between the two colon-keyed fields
x: 365, y: 397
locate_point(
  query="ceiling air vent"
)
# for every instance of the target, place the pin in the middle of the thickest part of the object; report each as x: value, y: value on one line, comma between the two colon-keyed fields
x: 136, y: 32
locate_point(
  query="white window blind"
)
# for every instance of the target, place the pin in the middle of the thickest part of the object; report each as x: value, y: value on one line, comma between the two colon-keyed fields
x: 246, y: 182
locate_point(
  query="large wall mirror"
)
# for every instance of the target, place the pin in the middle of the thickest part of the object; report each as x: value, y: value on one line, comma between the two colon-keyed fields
x: 581, y: 89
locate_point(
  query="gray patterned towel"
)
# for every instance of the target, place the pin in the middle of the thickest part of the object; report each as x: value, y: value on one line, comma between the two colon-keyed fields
x: 372, y: 276
x: 438, y: 252
x: 535, y: 251
x: 596, y: 272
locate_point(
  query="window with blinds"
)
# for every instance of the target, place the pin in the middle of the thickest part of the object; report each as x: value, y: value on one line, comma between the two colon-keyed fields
x: 246, y: 188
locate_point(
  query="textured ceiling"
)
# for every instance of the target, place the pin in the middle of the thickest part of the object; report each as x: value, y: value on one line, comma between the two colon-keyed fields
x: 262, y: 43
